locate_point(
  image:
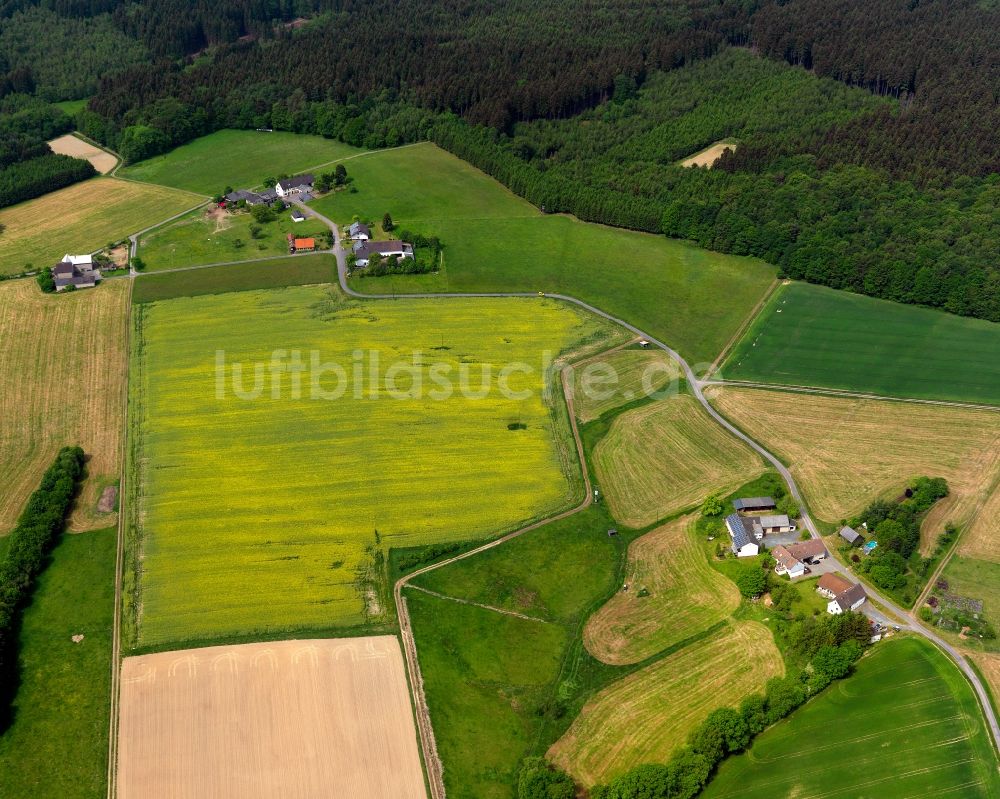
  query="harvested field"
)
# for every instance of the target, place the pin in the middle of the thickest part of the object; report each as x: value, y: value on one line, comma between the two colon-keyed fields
x: 988, y: 664
x: 608, y: 381
x: 845, y: 452
x: 290, y: 718
x: 646, y: 716
x: 81, y: 218
x: 666, y: 456
x: 686, y: 596
x: 709, y: 155
x: 71, y: 145
x: 62, y: 367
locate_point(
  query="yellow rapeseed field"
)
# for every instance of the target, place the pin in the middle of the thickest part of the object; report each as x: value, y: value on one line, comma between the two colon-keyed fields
x: 661, y: 458
x: 646, y: 716
x: 272, y: 513
x: 62, y: 371
x: 846, y: 452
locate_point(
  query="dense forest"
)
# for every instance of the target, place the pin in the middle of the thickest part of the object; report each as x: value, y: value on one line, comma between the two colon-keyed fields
x: 888, y: 188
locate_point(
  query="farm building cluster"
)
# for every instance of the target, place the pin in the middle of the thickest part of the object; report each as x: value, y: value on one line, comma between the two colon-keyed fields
x: 299, y: 185
x: 77, y: 271
x: 750, y: 524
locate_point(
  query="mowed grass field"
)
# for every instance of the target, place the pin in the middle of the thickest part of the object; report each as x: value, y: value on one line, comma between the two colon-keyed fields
x: 685, y: 596
x: 212, y: 235
x: 646, y: 716
x: 493, y: 680
x: 612, y: 380
x: 81, y: 219
x: 302, y: 270
x: 666, y: 456
x: 691, y: 298
x: 816, y: 336
x: 237, y: 158
x: 906, y: 724
x: 846, y: 452
x: 57, y: 746
x: 62, y: 372
x: 272, y: 513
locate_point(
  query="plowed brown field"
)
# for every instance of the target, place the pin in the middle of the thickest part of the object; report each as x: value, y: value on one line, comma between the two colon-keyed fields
x: 292, y: 719
x: 62, y: 371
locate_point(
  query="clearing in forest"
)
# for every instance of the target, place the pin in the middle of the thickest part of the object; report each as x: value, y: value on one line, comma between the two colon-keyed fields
x: 76, y: 147
x: 672, y: 594
x: 62, y: 372
x: 666, y: 456
x: 845, y: 452
x: 262, y: 506
x: 241, y: 159
x: 648, y: 715
x: 285, y: 718
x: 710, y: 154
x: 816, y: 336
x: 905, y: 724
x: 691, y: 298
x: 81, y: 218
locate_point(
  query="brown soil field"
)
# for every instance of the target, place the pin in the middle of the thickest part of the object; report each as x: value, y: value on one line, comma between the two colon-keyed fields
x: 62, y: 371
x: 70, y: 145
x: 846, y: 452
x: 608, y: 381
x: 295, y: 719
x: 661, y: 458
x: 709, y: 155
x: 686, y: 596
x: 646, y: 716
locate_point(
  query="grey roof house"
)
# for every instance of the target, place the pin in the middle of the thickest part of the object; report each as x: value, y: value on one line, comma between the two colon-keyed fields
x: 294, y: 185
x: 851, y: 536
x: 363, y: 250
x: 754, y: 503
x: 75, y: 271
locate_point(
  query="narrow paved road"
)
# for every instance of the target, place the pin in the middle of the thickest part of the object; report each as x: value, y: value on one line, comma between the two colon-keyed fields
x: 697, y: 388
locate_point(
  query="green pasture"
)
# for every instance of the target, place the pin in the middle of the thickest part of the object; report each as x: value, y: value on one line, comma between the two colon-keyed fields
x: 272, y: 511
x: 973, y: 578
x: 72, y: 107
x: 906, y: 724
x: 497, y: 684
x: 212, y: 236
x: 815, y: 336
x: 237, y: 158
x: 57, y: 746
x: 691, y: 298
x: 299, y: 271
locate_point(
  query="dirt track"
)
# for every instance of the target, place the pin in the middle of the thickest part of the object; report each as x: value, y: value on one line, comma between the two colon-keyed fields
x: 303, y: 719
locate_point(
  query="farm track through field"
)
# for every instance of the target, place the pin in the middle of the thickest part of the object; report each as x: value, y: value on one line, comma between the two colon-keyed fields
x: 492, y: 608
x: 426, y: 734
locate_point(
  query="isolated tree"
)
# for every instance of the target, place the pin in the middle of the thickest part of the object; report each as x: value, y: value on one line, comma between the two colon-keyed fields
x: 387, y: 224
x: 712, y: 506
x: 751, y: 581
x: 138, y: 264
x: 340, y: 175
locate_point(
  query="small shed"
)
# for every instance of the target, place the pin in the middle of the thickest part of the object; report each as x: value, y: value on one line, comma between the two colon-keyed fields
x: 851, y: 536
x: 298, y: 216
x: 754, y: 504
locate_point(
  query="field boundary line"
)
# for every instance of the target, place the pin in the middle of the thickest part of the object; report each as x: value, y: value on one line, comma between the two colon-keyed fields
x: 840, y: 392
x: 470, y: 603
x: 744, y: 326
x: 367, y: 152
x: 112, y: 776
x: 134, y: 237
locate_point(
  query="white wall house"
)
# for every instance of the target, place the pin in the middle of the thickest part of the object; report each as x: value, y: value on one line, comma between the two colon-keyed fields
x: 295, y: 185
x: 744, y: 545
x: 364, y: 250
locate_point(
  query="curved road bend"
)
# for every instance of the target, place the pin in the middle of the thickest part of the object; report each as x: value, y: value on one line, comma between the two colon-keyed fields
x: 697, y: 385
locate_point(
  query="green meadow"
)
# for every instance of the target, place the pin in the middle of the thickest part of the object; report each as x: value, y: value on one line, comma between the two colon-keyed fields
x: 816, y: 336
x: 207, y: 236
x: 57, y: 746
x: 693, y: 299
x: 272, y: 510
x: 277, y: 273
x: 905, y: 724
x: 497, y: 683
x: 237, y: 158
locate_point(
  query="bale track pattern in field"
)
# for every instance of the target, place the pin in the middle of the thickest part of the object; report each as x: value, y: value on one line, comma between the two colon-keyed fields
x: 62, y: 367
x: 686, y: 596
x: 290, y: 718
x: 846, y: 452
x: 666, y: 456
x: 646, y: 716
